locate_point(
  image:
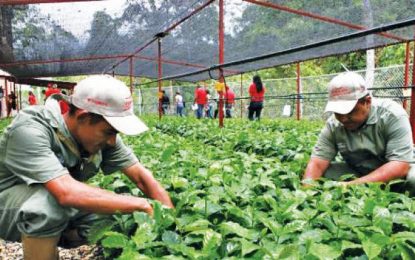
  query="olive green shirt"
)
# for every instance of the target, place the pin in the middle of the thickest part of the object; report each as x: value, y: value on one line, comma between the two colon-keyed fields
x: 385, y: 136
x: 37, y: 147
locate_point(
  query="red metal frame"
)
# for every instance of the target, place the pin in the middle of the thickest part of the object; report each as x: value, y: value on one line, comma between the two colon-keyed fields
x: 221, y: 57
x: 406, y: 75
x: 160, y: 74
x: 165, y: 32
x: 320, y: 17
x: 6, y: 93
x: 35, y: 62
x: 298, y: 92
x: 241, y: 97
x: 412, y: 110
x: 131, y: 74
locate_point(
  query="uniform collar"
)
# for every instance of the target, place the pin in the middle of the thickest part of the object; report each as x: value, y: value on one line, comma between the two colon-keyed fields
x: 373, y: 116
x: 58, y: 123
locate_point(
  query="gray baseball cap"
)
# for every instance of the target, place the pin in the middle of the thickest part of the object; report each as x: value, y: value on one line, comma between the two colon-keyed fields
x: 344, y: 91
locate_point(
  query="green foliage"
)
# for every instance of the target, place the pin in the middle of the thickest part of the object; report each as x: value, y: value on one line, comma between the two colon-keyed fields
x: 4, y: 122
x: 238, y: 194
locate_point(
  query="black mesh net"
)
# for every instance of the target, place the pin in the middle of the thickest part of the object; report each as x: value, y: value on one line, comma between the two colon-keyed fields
x: 100, y: 36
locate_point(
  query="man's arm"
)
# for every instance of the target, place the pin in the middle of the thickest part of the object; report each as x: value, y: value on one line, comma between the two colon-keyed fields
x: 146, y: 183
x: 315, y: 168
x: 72, y: 193
x: 387, y: 172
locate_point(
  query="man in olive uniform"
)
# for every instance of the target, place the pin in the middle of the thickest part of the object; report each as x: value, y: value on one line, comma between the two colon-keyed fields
x: 373, y: 137
x: 45, y: 157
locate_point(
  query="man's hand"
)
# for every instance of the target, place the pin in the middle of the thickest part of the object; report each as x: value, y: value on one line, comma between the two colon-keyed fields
x: 389, y: 171
x: 147, y: 184
x: 72, y: 193
x: 315, y: 169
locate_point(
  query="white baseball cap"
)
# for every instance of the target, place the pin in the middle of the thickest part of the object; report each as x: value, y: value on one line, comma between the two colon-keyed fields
x: 344, y: 91
x: 109, y: 97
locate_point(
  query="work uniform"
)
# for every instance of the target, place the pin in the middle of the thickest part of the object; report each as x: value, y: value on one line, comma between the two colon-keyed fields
x: 36, y: 148
x: 385, y: 136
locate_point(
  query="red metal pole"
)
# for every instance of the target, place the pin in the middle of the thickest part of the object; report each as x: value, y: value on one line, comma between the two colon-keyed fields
x: 241, y: 98
x: 298, y: 92
x: 20, y: 98
x: 412, y: 110
x: 5, y: 98
x: 6, y: 87
x: 406, y: 76
x: 131, y: 74
x: 160, y: 73
x: 221, y: 58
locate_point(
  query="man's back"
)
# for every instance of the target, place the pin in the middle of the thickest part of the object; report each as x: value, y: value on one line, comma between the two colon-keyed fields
x: 165, y: 99
x: 200, y: 96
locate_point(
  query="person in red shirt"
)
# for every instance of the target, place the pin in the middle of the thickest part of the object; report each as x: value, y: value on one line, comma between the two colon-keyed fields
x: 229, y: 101
x: 32, y: 99
x: 200, y: 100
x: 52, y: 89
x: 256, y: 92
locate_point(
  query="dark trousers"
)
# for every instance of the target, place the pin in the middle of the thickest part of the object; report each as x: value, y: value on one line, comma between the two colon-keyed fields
x: 254, y: 110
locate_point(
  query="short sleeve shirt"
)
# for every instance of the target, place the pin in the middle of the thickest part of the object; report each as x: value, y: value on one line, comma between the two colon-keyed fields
x: 255, y: 95
x: 37, y: 147
x: 179, y: 100
x: 230, y: 96
x: 386, y: 136
x: 200, y: 95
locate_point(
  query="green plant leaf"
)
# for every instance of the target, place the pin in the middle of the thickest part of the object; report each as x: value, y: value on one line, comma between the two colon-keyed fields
x: 382, y: 219
x: 128, y: 254
x: 349, y: 245
x: 98, y: 230
x: 371, y: 249
x: 115, y: 240
x: 235, y: 228
x: 407, y: 251
x: 248, y: 247
x: 323, y: 251
x: 170, y: 237
x: 315, y: 235
x: 179, y: 182
x: 211, y: 241
x: 403, y: 236
x: 167, y: 153
x: 288, y: 252
x: 144, y: 234
x: 201, y: 224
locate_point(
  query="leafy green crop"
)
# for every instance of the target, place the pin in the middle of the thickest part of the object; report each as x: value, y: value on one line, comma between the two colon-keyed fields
x: 238, y: 194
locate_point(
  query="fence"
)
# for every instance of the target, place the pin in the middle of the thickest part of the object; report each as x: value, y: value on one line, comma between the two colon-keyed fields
x: 281, y: 94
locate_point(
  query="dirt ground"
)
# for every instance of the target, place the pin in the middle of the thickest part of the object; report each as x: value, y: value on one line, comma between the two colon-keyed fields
x: 13, y: 251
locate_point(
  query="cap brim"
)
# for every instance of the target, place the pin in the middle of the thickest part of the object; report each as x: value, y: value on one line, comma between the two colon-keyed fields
x: 340, y: 107
x: 128, y: 125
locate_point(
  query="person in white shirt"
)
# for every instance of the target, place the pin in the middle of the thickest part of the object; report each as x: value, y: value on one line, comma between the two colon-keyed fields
x: 179, y: 104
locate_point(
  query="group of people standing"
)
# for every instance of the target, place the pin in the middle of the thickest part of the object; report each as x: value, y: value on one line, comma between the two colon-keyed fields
x: 11, y: 99
x: 205, y: 105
